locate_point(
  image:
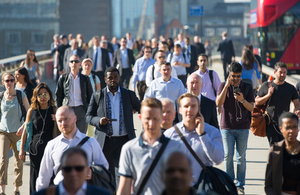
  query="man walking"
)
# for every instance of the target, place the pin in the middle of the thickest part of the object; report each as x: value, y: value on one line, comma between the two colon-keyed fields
x: 191, y: 52
x: 73, y: 50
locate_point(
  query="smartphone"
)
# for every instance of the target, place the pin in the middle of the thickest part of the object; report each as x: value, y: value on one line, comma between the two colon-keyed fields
x: 112, y: 120
x: 198, y: 114
x: 237, y: 91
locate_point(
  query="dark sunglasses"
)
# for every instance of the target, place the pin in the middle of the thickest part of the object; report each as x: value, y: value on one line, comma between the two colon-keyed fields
x: 161, y: 57
x: 43, y: 94
x: 236, y: 76
x: 9, y: 80
x: 76, y: 61
x: 68, y: 169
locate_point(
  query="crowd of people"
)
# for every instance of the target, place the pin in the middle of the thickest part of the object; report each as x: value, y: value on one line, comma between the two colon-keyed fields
x: 177, y: 94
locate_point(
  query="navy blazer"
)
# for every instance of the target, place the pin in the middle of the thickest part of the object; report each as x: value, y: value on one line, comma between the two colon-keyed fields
x: 207, y: 109
x: 104, y: 56
x: 226, y: 49
x: 96, y: 112
x: 91, y: 190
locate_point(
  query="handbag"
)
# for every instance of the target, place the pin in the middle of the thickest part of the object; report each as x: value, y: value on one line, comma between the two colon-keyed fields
x: 29, y: 133
x: 211, y: 179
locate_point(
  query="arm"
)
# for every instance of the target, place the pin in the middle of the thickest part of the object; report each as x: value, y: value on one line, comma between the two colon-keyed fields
x: 97, y: 87
x: 89, y: 89
x: 248, y: 105
x: 22, y: 64
x: 56, y: 59
x: 98, y: 156
x: 91, y: 114
x: 222, y: 96
x: 297, y: 107
x: 135, y: 75
x: 149, y: 74
x: 269, y: 175
x: 124, y: 186
x: 59, y: 93
x: 38, y: 73
x: 24, y: 136
x: 262, y: 100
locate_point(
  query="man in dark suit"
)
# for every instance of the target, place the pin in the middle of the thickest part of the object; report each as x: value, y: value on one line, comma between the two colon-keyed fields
x: 100, y: 58
x: 110, y: 110
x: 191, y: 52
x: 200, y: 47
x: 124, y: 60
x: 227, y: 52
x: 73, y: 50
x: 75, y: 169
x: 110, y: 47
x: 207, y: 106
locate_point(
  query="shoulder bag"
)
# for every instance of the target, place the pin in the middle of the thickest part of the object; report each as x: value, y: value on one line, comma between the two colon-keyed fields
x: 29, y: 133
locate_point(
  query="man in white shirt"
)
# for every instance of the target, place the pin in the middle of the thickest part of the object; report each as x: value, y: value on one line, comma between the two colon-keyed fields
x: 70, y: 137
x: 180, y: 40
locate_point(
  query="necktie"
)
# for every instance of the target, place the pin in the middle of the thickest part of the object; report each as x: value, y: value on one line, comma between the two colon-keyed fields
x: 96, y: 58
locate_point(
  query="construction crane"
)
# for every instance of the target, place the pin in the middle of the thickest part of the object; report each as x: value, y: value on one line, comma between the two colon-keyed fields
x: 140, y: 30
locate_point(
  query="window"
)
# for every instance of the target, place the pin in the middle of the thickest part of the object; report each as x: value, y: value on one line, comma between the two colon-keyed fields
x: 37, y: 38
x: 13, y: 38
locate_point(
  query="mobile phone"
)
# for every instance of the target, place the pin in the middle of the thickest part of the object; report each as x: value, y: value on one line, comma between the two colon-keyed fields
x: 198, y: 114
x: 112, y: 119
x: 237, y: 91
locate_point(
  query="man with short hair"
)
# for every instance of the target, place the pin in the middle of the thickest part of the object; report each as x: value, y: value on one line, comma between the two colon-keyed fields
x: 75, y: 90
x: 138, y: 154
x: 100, y: 58
x: 110, y: 111
x: 163, y: 45
x: 70, y: 38
x: 203, y: 138
x: 130, y: 40
x: 73, y: 50
x: 180, y: 62
x: 227, y: 52
x: 168, y: 114
x: 70, y: 137
x: 75, y: 169
x: 278, y: 94
x: 109, y: 46
x: 153, y: 70
x: 180, y: 40
x: 140, y: 68
x: 59, y: 55
x: 154, y: 47
x: 191, y: 52
x: 200, y: 47
x: 103, y: 44
x: 237, y: 100
x: 124, y: 60
x: 177, y: 174
x: 115, y: 44
x: 165, y: 86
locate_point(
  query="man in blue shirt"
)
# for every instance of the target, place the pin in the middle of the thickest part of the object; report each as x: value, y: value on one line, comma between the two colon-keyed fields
x: 140, y: 68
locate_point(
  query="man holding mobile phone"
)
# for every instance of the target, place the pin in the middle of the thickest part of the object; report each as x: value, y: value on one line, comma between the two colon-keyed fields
x: 237, y: 100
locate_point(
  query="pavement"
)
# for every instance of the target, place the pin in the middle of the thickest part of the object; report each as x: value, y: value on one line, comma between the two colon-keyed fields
x: 256, y: 155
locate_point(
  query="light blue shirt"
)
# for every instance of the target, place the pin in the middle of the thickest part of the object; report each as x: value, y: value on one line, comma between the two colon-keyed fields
x: 159, y: 89
x: 92, y: 81
x: 124, y: 58
x: 208, y: 147
x: 140, y: 68
x: 180, y: 70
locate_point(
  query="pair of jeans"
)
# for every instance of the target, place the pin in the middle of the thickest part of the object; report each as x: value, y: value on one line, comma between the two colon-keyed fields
x: 240, y: 138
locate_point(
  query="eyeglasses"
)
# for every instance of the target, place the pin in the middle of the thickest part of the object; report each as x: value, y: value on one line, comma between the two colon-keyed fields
x: 68, y: 169
x: 9, y: 80
x: 43, y: 94
x: 236, y: 76
x: 76, y: 61
x: 161, y: 57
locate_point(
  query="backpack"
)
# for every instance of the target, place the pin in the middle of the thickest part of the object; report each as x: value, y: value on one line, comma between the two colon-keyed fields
x: 212, y: 81
x: 172, y: 57
x: 19, y: 97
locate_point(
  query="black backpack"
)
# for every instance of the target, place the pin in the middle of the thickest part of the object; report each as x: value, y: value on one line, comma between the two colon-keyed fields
x: 19, y: 97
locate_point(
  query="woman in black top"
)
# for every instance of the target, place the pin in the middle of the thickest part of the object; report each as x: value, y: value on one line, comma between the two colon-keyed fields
x: 23, y: 82
x: 43, y: 129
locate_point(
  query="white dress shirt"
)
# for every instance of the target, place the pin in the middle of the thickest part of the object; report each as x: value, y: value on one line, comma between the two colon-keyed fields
x: 99, y: 58
x: 124, y: 58
x: 75, y: 92
x: 157, y: 74
x: 82, y: 190
x: 54, y: 150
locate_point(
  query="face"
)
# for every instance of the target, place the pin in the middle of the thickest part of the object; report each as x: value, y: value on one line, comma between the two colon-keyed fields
x: 177, y: 50
x: 128, y: 36
x: 289, y: 129
x: 64, y: 40
x: 147, y: 53
x: 103, y: 45
x: 281, y: 74
x: 43, y: 96
x: 178, y: 174
x: 196, y: 39
x: 114, y: 40
x: 154, y: 44
x: 168, y: 113
x: 187, y: 41
x: 70, y: 37
x: 112, y: 80
x: 8, y: 82
x: 151, y: 119
x: 73, y: 178
x: 202, y: 62
x: 66, y: 121
x: 87, y: 66
x: 180, y: 37
x: 194, y: 85
x: 189, y: 109
x: 123, y: 43
x: 160, y: 57
x: 96, y: 42
x: 74, y: 44
x: 235, y: 78
x: 165, y: 71
x: 163, y: 47
x: 31, y: 55
x: 19, y: 77
x: 74, y: 63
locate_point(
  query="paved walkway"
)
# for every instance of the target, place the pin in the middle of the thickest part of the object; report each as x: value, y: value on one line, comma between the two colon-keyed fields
x: 256, y: 157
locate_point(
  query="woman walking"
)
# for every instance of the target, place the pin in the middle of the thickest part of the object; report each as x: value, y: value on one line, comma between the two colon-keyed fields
x: 32, y: 66
x: 23, y: 82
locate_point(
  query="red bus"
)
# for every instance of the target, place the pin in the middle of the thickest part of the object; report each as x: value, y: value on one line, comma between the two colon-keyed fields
x: 274, y: 31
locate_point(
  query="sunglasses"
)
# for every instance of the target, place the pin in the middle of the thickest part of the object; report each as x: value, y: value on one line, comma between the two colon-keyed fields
x: 161, y: 57
x: 68, y: 169
x: 43, y: 94
x: 9, y: 80
x: 76, y: 61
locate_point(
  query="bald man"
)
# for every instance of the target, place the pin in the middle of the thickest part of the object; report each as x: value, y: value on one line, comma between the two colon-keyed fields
x: 168, y: 114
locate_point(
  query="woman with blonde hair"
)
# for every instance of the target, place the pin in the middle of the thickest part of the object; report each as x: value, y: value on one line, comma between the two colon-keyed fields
x: 10, y: 130
x: 32, y: 66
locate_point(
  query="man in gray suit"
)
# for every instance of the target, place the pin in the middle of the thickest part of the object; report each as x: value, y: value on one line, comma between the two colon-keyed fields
x: 110, y: 111
x: 123, y: 60
x: 73, y: 50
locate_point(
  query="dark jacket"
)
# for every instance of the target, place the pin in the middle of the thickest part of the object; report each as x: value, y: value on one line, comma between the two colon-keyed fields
x: 200, y: 48
x: 118, y: 58
x: 193, y: 59
x: 63, y: 89
x: 29, y: 91
x: 96, y: 111
x: 91, y: 190
x: 207, y: 109
x: 226, y: 49
x: 104, y: 56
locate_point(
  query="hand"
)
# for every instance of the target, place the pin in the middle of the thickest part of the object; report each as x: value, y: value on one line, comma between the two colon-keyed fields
x: 174, y: 64
x: 239, y: 97
x: 55, y: 66
x: 89, y: 175
x: 53, y: 117
x: 199, y: 120
x: 20, y: 130
x: 22, y: 155
x: 297, y: 112
x: 38, y: 81
x: 220, y: 110
x: 270, y: 91
x: 228, y: 81
x: 104, y: 121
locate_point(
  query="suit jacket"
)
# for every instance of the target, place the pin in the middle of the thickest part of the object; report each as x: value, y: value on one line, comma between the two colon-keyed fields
x: 105, y: 57
x: 207, y: 109
x: 91, y: 190
x: 193, y: 59
x: 117, y: 59
x: 68, y: 54
x: 226, y: 49
x: 200, y: 48
x: 96, y: 111
x: 154, y: 51
x: 63, y: 89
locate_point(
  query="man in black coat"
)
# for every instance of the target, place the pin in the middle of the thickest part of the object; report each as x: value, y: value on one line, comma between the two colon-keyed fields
x: 227, y: 52
x: 200, y: 47
x: 191, y: 52
x: 111, y: 112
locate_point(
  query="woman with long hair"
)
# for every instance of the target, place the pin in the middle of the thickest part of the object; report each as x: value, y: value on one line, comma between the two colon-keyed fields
x: 23, y: 82
x: 10, y: 131
x: 41, y: 113
x: 32, y: 66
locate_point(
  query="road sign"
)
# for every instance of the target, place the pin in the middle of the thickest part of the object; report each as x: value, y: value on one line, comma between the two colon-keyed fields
x: 196, y: 10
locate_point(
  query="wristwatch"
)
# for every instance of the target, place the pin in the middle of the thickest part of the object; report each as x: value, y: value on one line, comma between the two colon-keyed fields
x: 243, y: 101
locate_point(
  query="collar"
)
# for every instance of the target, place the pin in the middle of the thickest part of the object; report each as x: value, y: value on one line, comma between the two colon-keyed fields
x: 162, y: 139
x: 161, y: 80
x: 183, y: 129
x: 177, y: 55
x: 199, y: 97
x: 76, y: 76
x: 94, y: 47
x: 125, y: 49
x: 63, y: 190
x: 77, y: 135
x: 108, y: 91
x: 146, y: 59
x: 202, y: 73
